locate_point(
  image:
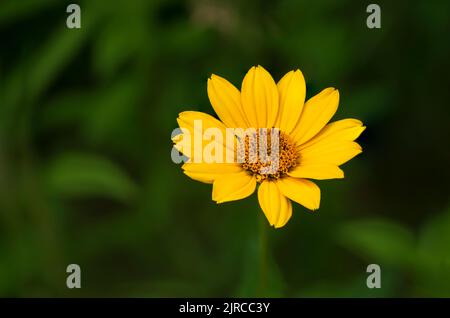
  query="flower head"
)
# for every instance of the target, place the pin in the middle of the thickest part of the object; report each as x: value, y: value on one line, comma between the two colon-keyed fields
x: 276, y: 144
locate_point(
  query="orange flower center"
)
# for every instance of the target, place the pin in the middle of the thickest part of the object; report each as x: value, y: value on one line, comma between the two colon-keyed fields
x: 268, y: 154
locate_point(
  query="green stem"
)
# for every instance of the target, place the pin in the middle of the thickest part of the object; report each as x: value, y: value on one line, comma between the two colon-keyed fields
x: 263, y: 256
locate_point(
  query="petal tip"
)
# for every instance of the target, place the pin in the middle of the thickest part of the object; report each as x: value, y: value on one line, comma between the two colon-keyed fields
x: 298, y: 72
x: 279, y: 226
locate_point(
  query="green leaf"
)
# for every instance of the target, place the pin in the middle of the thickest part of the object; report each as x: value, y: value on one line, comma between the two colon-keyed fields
x: 380, y: 241
x: 74, y: 175
x: 115, y: 46
x: 435, y: 236
x: 354, y: 286
x: 54, y: 55
x: 433, y: 266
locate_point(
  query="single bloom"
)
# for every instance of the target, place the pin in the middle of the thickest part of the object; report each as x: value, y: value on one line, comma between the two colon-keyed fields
x: 309, y: 146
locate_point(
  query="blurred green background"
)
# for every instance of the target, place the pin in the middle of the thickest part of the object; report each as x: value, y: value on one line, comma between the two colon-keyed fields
x: 85, y: 170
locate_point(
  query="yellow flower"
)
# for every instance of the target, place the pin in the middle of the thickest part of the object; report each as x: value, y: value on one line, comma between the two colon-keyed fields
x: 309, y: 146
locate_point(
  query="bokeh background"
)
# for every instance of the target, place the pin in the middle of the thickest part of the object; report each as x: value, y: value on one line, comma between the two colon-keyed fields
x: 86, y: 176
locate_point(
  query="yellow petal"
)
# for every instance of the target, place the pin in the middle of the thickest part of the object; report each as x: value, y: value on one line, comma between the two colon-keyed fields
x: 226, y: 101
x: 186, y: 120
x: 316, y: 113
x: 208, y: 172
x: 259, y: 97
x: 276, y: 207
x: 233, y: 186
x: 335, y: 154
x: 292, y: 91
x: 301, y: 191
x: 194, y: 124
x: 334, y: 144
x: 317, y: 171
x: 341, y: 130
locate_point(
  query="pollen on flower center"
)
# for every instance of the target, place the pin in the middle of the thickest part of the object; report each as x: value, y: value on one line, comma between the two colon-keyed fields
x: 267, y: 158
